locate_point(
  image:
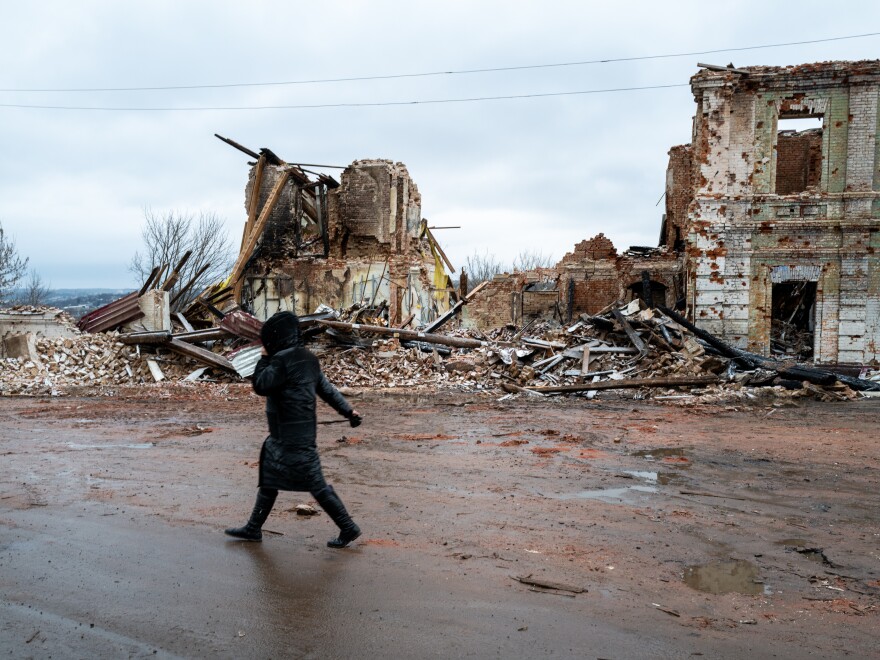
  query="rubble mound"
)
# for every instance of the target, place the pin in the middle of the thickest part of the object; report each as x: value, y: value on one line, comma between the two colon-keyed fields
x: 654, y: 352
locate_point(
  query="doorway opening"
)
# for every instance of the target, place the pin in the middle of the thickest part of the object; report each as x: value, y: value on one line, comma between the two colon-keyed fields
x: 793, y: 320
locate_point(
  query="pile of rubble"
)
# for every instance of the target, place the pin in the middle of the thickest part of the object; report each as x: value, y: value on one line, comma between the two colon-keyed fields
x: 653, y: 350
x: 626, y: 346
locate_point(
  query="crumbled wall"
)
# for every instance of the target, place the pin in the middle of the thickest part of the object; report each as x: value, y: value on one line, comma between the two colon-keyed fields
x: 43, y: 322
x: 586, y: 280
x: 379, y: 209
x: 375, y: 249
x: 495, y: 305
x: 744, y: 233
x: 679, y: 195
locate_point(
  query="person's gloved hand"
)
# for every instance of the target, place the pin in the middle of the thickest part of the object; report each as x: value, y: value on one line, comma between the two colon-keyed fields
x: 355, y: 419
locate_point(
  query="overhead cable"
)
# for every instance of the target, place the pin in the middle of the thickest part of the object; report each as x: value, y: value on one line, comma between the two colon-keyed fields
x: 524, y: 67
x: 366, y: 104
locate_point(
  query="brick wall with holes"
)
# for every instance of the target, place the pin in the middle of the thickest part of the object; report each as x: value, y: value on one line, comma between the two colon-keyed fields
x: 493, y: 306
x: 798, y: 162
x: 748, y: 217
x: 679, y: 192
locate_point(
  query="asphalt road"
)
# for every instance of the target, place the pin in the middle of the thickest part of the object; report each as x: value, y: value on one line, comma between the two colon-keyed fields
x: 85, y: 582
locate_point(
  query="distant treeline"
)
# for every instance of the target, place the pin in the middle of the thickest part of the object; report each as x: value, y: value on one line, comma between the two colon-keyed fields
x: 77, y: 302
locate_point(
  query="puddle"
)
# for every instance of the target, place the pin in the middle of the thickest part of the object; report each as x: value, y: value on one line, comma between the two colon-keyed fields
x: 725, y: 577
x: 139, y: 445
x: 661, y: 452
x: 660, y: 478
x: 610, y: 494
x: 647, y: 476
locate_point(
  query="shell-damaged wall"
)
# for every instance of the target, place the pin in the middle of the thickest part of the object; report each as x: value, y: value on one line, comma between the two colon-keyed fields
x: 586, y: 280
x: 752, y: 225
x: 375, y: 250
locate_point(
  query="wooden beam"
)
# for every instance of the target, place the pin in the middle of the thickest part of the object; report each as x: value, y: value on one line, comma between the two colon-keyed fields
x: 439, y: 250
x: 201, y: 354
x: 414, y: 335
x: 680, y: 381
x: 241, y: 148
x: 717, y: 67
x: 628, y: 329
x: 184, y: 322
x: 257, y: 230
x: 175, y: 274
x: 149, y: 281
x: 159, y: 275
x: 208, y: 334
x: 186, y: 287
x: 149, y: 338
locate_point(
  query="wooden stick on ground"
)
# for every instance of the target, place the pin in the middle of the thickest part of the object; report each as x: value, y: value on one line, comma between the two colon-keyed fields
x: 456, y: 342
x: 680, y: 381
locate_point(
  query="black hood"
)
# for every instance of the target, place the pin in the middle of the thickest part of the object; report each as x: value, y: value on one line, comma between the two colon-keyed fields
x: 280, y: 331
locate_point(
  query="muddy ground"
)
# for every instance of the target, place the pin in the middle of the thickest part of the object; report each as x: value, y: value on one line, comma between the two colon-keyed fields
x: 673, y: 531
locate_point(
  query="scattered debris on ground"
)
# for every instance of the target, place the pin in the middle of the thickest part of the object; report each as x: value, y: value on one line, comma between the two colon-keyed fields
x: 653, y: 351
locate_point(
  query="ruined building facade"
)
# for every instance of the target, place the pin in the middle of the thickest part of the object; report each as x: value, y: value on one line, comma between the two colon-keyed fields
x: 771, y: 231
x: 360, y: 240
x: 783, y: 225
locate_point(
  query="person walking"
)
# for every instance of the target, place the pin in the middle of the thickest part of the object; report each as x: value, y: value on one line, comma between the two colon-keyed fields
x: 290, y: 378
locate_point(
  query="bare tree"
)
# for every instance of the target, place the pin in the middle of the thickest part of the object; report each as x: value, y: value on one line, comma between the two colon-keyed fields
x: 532, y: 259
x: 12, y: 266
x: 35, y: 292
x: 481, y: 267
x: 170, y: 235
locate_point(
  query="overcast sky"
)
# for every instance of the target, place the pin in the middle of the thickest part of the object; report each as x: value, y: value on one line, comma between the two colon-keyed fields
x: 523, y: 174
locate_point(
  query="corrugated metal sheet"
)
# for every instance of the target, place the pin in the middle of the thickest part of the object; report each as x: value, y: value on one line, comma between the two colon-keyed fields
x: 242, y: 324
x: 795, y: 274
x: 112, y: 315
x: 244, y: 360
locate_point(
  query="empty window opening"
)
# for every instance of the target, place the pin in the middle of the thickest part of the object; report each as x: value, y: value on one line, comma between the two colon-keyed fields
x: 798, y: 155
x: 793, y: 319
x: 652, y: 295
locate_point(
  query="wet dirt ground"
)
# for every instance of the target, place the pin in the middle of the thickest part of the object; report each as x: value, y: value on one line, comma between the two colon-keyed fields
x: 673, y: 532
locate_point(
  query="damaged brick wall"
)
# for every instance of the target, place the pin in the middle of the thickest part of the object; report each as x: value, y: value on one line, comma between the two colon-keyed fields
x: 798, y: 161
x: 585, y: 281
x: 679, y: 195
x: 379, y: 210
x: 375, y: 248
x: 496, y: 305
x: 746, y: 234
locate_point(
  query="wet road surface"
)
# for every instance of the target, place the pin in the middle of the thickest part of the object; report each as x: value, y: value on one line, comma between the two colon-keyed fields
x: 742, y: 532
x: 84, y: 584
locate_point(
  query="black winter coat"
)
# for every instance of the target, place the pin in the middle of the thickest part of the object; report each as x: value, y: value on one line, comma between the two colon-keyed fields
x: 290, y: 380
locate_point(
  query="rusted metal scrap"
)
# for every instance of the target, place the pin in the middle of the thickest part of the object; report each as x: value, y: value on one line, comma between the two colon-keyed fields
x: 242, y: 324
x: 112, y: 315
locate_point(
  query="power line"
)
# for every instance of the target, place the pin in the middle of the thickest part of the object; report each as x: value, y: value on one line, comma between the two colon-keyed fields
x: 446, y: 73
x: 338, y: 105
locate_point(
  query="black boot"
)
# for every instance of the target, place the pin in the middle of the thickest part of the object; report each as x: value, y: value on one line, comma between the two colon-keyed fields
x: 252, y: 531
x: 330, y: 502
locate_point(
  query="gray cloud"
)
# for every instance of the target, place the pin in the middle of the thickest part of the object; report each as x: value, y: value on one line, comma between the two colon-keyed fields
x: 518, y: 174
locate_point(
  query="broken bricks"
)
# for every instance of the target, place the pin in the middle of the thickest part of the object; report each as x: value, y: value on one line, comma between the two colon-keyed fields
x: 626, y: 347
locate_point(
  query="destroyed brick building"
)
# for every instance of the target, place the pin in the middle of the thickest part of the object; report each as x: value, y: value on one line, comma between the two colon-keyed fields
x: 311, y: 242
x: 770, y: 233
x: 586, y: 280
x: 783, y: 225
